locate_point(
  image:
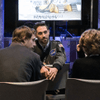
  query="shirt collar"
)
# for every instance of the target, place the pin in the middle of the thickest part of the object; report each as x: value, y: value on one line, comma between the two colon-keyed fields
x: 45, y: 46
x: 94, y: 55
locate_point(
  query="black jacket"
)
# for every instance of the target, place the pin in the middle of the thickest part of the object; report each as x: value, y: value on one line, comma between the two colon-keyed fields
x: 87, y: 68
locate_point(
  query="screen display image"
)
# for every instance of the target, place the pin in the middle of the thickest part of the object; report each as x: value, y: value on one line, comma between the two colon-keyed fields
x: 49, y: 10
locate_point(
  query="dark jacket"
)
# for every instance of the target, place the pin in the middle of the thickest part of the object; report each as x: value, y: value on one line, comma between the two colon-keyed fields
x: 54, y: 54
x: 87, y: 68
x: 19, y: 64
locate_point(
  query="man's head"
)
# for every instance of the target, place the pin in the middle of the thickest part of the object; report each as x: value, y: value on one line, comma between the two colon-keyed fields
x: 30, y: 25
x: 90, y: 41
x: 42, y: 32
x: 25, y: 36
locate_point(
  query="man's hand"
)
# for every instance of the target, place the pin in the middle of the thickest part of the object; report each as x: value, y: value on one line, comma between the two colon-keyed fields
x: 49, y: 73
x: 52, y: 73
x: 44, y: 71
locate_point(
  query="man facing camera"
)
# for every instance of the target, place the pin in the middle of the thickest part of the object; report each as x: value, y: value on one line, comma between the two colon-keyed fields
x: 18, y: 63
x: 51, y: 52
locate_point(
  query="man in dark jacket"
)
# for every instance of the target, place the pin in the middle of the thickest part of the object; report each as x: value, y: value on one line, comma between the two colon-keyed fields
x: 18, y: 63
x: 51, y: 52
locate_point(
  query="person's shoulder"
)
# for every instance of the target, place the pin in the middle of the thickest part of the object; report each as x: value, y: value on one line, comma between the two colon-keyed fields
x: 30, y: 52
x: 55, y: 41
x: 35, y: 54
x: 3, y: 50
x: 82, y: 61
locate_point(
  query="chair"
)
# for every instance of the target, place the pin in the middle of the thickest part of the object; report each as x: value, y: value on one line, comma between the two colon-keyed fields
x: 58, y: 83
x: 23, y: 90
x: 82, y: 89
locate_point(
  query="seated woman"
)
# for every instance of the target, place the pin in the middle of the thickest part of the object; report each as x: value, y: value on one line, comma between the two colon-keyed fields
x: 89, y: 66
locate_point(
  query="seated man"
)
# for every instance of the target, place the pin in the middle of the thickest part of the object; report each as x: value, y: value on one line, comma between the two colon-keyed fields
x: 17, y: 62
x: 89, y: 66
x: 51, y: 52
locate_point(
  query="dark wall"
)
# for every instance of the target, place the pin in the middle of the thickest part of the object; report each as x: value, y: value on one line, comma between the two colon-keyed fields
x: 95, y: 14
x: 9, y: 17
x: 74, y: 27
x: 9, y: 13
x: 78, y: 27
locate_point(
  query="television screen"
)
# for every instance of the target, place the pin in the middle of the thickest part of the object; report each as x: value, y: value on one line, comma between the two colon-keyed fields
x: 49, y: 10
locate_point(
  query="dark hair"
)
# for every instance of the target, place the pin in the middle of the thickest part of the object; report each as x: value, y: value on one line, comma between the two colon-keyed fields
x: 37, y: 24
x: 20, y: 32
x: 29, y: 24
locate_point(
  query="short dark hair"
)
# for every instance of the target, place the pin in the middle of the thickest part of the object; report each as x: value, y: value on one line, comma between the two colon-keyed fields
x: 29, y: 24
x: 20, y: 32
x: 37, y: 24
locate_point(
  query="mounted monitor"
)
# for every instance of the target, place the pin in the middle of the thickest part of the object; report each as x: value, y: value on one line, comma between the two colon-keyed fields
x: 49, y: 10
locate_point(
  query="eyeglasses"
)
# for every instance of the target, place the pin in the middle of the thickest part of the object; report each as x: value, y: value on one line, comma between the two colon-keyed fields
x: 45, y: 32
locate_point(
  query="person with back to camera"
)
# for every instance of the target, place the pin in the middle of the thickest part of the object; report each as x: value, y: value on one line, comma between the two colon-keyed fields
x: 18, y: 62
x: 80, y: 52
x: 89, y: 66
x: 51, y: 52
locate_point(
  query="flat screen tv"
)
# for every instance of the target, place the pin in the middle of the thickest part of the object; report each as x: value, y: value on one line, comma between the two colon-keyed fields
x: 49, y: 10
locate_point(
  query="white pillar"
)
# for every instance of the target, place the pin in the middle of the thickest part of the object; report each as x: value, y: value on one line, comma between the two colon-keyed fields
x: 1, y: 24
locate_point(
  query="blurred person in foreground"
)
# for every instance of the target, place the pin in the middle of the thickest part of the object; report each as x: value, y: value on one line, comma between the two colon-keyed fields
x: 18, y: 63
x: 89, y: 66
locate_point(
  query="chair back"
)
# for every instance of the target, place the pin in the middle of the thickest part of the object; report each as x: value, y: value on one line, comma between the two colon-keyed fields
x: 82, y: 89
x: 23, y: 90
x: 60, y: 80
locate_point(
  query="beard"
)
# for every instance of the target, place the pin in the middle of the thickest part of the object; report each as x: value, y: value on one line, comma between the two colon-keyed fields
x: 44, y: 41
